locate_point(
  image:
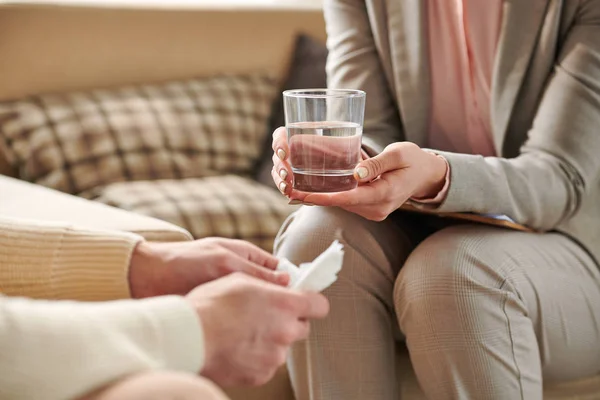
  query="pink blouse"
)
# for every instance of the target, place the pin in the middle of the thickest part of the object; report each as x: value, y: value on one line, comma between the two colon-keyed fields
x: 463, y: 35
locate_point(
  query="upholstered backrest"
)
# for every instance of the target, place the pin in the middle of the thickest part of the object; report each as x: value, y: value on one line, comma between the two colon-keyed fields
x: 46, y: 48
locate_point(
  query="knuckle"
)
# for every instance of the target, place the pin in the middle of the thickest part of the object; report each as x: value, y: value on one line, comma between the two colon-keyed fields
x: 276, y: 160
x: 211, y: 242
x: 281, y: 357
x: 264, y: 377
x: 388, y: 195
x: 283, y: 335
x: 397, y: 150
x: 275, y: 176
x: 240, y: 276
x: 261, y: 380
x: 288, y: 304
x: 266, y: 274
x: 278, y: 132
x: 275, y: 359
x: 377, y: 216
x: 389, y: 209
x: 376, y: 166
x: 251, y: 380
x: 410, y: 146
x: 278, y: 138
x: 407, y: 150
x: 382, y: 215
x: 304, y: 331
x: 223, y: 258
x: 286, y: 336
x: 220, y: 243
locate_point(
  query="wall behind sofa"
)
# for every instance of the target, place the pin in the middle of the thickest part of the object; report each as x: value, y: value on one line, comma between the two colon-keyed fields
x: 53, y: 48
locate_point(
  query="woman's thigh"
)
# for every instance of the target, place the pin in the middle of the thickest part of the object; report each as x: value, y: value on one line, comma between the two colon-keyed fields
x: 503, y: 287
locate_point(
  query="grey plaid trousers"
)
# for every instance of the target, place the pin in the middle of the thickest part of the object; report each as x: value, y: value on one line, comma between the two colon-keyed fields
x: 486, y: 313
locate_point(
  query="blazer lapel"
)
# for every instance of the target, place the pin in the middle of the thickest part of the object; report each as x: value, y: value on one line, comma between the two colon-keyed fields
x: 522, y: 21
x: 409, y: 55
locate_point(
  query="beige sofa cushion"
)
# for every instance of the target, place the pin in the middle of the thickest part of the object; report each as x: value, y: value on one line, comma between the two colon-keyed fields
x: 227, y: 206
x: 76, y: 142
x: 20, y: 199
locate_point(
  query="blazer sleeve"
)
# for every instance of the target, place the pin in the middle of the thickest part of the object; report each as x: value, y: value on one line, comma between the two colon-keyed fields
x: 58, y: 261
x: 56, y: 350
x: 353, y: 63
x: 560, y: 161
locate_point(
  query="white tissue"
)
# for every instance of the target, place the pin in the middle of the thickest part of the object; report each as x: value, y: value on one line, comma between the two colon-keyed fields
x: 317, y: 275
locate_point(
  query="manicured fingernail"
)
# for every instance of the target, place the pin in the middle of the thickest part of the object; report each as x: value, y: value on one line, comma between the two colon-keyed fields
x: 362, y: 172
x: 282, y: 187
x: 281, y: 154
x: 283, y: 173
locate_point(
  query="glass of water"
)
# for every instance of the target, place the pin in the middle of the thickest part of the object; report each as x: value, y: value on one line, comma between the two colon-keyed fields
x: 324, y: 128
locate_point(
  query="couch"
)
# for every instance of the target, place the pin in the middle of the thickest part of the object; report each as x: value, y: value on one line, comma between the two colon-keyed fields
x: 46, y: 47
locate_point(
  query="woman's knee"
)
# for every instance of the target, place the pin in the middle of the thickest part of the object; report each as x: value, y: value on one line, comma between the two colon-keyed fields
x: 449, y: 270
x: 373, y: 251
x: 160, y: 386
x: 310, y: 230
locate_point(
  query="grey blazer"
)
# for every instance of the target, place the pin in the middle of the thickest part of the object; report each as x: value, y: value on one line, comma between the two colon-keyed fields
x: 545, y: 105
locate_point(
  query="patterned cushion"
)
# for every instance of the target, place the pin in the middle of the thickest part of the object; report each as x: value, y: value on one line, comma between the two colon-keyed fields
x: 228, y: 206
x: 77, y: 142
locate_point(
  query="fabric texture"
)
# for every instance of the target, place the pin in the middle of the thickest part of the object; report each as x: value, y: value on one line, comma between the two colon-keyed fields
x: 545, y: 113
x: 471, y: 302
x: 227, y: 206
x: 463, y: 36
x: 78, y: 142
x: 307, y: 70
x: 60, y: 261
x: 55, y: 261
x: 63, y: 350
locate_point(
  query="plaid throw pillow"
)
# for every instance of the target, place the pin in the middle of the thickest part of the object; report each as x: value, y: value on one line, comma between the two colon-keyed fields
x: 79, y: 142
x: 227, y: 206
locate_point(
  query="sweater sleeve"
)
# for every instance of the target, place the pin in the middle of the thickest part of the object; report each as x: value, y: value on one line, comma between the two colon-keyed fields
x: 58, y: 261
x: 56, y: 350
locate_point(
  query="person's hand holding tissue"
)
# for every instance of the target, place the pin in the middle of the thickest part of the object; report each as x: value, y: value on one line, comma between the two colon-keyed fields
x: 249, y: 325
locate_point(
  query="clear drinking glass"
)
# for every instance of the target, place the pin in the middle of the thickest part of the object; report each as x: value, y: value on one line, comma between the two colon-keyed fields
x: 324, y: 128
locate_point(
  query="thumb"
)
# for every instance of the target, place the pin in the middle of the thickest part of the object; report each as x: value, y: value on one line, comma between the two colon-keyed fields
x: 370, y: 169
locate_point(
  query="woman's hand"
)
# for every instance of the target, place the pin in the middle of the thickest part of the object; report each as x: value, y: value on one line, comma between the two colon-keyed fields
x: 386, y: 181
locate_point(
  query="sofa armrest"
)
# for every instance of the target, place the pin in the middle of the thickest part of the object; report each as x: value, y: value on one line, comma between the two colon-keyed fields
x: 19, y: 199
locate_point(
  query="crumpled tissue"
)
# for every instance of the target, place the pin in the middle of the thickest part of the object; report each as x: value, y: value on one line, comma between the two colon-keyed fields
x: 317, y: 275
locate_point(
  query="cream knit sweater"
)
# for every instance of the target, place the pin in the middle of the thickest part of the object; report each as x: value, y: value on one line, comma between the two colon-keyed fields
x: 64, y: 349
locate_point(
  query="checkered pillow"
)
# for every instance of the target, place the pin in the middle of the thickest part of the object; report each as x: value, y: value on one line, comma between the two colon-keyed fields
x: 78, y: 142
x: 227, y: 206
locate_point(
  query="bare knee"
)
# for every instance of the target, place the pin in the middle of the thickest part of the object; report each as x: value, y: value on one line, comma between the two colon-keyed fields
x: 160, y: 386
